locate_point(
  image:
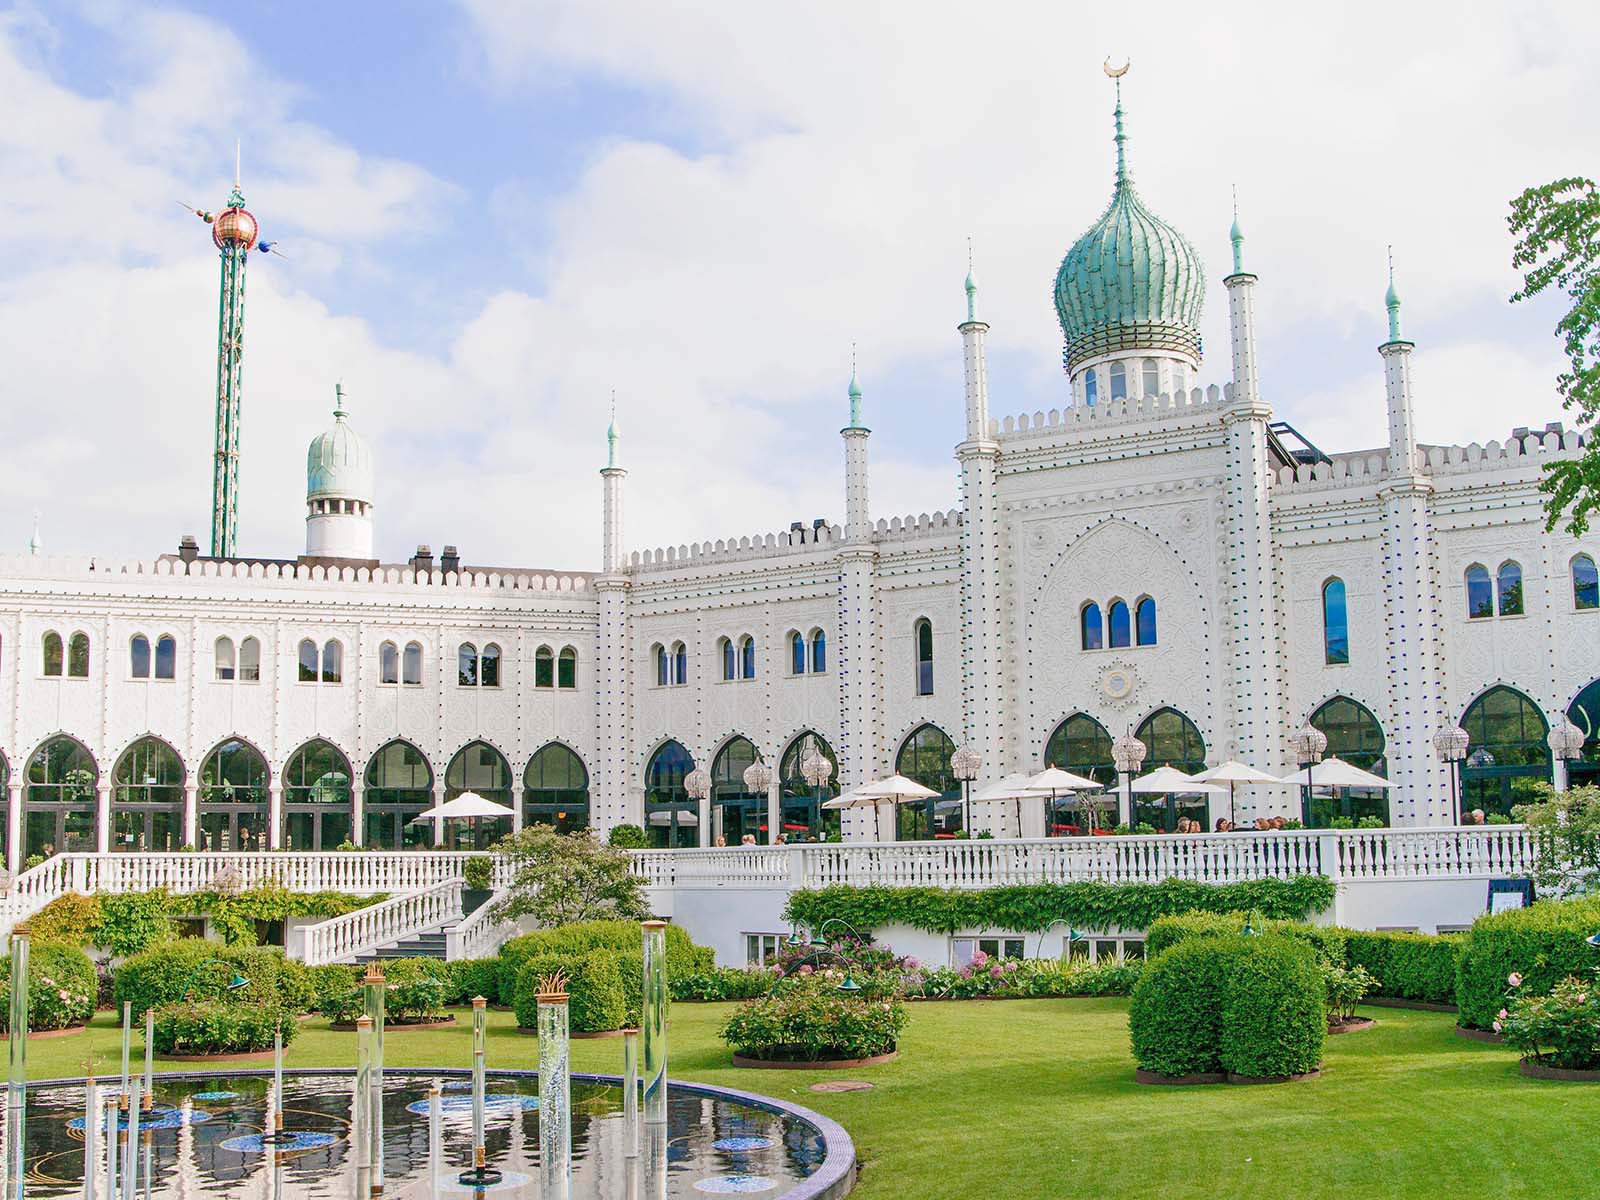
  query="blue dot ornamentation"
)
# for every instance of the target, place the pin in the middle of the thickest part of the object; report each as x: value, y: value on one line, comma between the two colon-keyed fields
x: 255, y: 1143
x: 735, y: 1185
x: 737, y: 1144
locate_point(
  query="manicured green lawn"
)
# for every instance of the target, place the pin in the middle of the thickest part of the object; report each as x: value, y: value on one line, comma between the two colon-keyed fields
x: 1035, y: 1098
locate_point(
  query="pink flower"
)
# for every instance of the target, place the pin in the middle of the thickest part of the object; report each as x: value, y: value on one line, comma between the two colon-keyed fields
x: 1497, y: 1026
x: 806, y: 970
x: 1013, y: 965
x: 997, y: 972
x: 64, y: 994
x: 979, y: 958
x: 886, y: 1006
x: 1514, y: 979
x: 913, y: 964
x: 1502, y: 1014
x: 778, y: 971
x: 1583, y: 997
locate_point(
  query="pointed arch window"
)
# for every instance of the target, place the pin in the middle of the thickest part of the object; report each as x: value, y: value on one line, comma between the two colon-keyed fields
x: 1508, y: 586
x: 819, y: 651
x: 923, y: 631
x: 1480, y: 592
x: 1335, y: 624
x: 51, y: 649
x: 1091, y: 388
x: 1354, y: 735
x: 1509, y: 751
x: 797, y: 654
x: 544, y: 667
x: 1119, y: 381
x: 658, y: 653
x: 1082, y: 745
x: 478, y: 767
x: 747, y: 657
x: 399, y: 787
x: 489, y: 666
x: 234, y: 798
x: 1152, y: 378
x: 139, y: 657
x: 555, y: 790
x: 1171, y: 740
x: 1121, y: 624
x: 730, y: 659
x: 147, y: 798
x: 925, y: 757
x: 1144, y: 622
x: 317, y: 809
x: 567, y: 668
x: 1091, y: 629
x: 1585, y: 583
x: 166, y: 657
x: 680, y: 663
x: 411, y: 674
x: 389, y: 663
x: 307, y: 654
x: 670, y: 815
x: 332, y: 661
x: 78, y: 656
x: 250, y: 660
x: 224, y: 658
x: 467, y: 665
x: 59, y: 799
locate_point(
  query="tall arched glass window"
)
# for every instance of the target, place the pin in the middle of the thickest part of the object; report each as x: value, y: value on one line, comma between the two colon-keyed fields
x: 567, y: 668
x: 139, y: 657
x: 803, y: 817
x: 544, y: 667
x: 51, y: 650
x: 1508, y: 583
x: 332, y: 661
x: 735, y: 809
x: 1091, y: 388
x: 797, y: 654
x: 659, y: 653
x: 1082, y: 745
x: 1144, y: 621
x: 59, y: 799
x: 166, y: 657
x: 1585, y: 583
x: 467, y: 665
x: 1180, y: 379
x: 730, y: 659
x: 747, y: 657
x: 925, y: 757
x: 1091, y: 629
x: 1171, y: 740
x: 1121, y: 624
x: 1584, y: 712
x: 555, y: 790
x: 223, y: 654
x: 489, y: 666
x: 399, y: 787
x: 924, y: 636
x: 250, y: 660
x: 413, y: 664
x: 1480, y: 592
x: 819, y: 651
x: 307, y: 654
x: 670, y: 815
x: 1508, y: 755
x: 147, y: 798
x: 1354, y: 735
x: 478, y: 767
x: 78, y: 656
x: 388, y: 663
x: 317, y: 810
x: 1152, y: 378
x: 233, y: 798
x: 680, y: 663
x: 1335, y: 624
x: 1119, y: 381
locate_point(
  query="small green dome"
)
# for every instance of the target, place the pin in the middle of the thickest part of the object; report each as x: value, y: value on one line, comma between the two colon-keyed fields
x: 338, y: 462
x: 1133, y: 282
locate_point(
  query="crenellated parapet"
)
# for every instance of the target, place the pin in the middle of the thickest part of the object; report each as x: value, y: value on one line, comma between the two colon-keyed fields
x: 1108, y: 413
x: 404, y: 578
x: 1365, y: 466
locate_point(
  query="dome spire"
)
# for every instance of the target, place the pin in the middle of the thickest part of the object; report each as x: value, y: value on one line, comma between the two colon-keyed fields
x: 1236, y: 236
x: 1116, y: 74
x: 339, y: 410
x: 855, y: 391
x: 1391, y: 301
x: 612, y: 436
x: 972, y: 287
x: 35, y: 543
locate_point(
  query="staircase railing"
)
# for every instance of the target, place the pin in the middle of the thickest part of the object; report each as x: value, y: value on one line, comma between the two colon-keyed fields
x: 479, y: 935
x: 340, y: 939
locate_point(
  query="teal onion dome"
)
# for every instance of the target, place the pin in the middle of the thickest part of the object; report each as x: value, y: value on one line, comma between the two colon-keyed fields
x: 338, y: 462
x: 1132, y: 282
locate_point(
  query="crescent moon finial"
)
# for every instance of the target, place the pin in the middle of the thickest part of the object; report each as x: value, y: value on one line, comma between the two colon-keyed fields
x: 1116, y: 72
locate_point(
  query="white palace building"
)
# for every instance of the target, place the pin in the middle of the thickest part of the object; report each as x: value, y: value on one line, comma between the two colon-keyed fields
x: 1157, y: 558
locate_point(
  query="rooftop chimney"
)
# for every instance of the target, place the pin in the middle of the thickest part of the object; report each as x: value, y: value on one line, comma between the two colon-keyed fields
x: 450, y: 560
x: 422, y: 560
x: 188, y: 548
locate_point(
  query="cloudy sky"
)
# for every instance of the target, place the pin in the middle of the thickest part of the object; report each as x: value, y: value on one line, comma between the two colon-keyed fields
x: 494, y: 215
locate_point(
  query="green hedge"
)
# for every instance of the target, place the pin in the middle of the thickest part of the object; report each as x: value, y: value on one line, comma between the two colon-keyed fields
x: 1032, y: 907
x: 157, y: 976
x: 1544, y: 943
x: 61, y: 987
x: 1328, y: 941
x: 595, y: 1001
x: 415, y: 990
x: 470, y: 977
x: 214, y: 1027
x: 723, y: 983
x: 621, y: 937
x: 1274, y: 1008
x: 1408, y: 966
x: 1175, y: 1018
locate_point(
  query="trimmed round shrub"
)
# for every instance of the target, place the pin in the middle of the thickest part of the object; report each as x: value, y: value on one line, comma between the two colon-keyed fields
x: 628, y: 837
x: 331, y: 980
x: 1175, y: 1018
x: 1544, y: 943
x: 471, y: 977
x: 61, y: 987
x: 1328, y: 941
x: 594, y: 991
x: 158, y: 976
x: 414, y: 993
x: 212, y: 1027
x: 1274, y: 1008
x: 69, y: 920
x: 723, y: 983
x: 621, y: 937
x: 814, y: 1023
x: 1408, y: 966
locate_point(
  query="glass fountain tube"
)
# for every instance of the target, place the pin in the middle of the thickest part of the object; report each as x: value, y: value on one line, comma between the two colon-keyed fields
x: 555, y: 1097
x: 630, y: 1092
x: 361, y: 1143
x: 655, y: 1022
x: 17, y: 1091
x: 374, y: 991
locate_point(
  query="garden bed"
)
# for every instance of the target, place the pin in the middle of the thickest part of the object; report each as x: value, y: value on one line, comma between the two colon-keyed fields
x: 1353, y: 1025
x: 394, y: 1026
x: 242, y: 1056
x: 820, y: 1064
x: 1478, y: 1035
x: 1413, y: 1005
x: 1255, y: 1079
x: 1534, y: 1069
x: 38, y: 1035
x: 1140, y: 1075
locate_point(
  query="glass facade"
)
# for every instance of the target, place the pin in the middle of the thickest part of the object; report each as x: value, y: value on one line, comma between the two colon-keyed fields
x: 1507, y: 754
x: 925, y: 758
x: 1081, y: 745
x: 234, y: 801
x: 670, y: 815
x: 804, y: 818
x: 478, y: 767
x: 399, y: 787
x: 1354, y: 735
x: 735, y: 809
x: 147, y: 798
x: 59, y: 800
x: 1171, y: 740
x: 317, y: 808
x: 555, y: 790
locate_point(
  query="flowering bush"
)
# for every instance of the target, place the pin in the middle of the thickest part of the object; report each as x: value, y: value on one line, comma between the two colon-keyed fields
x: 1017, y: 977
x: 1561, y: 1029
x: 1346, y: 987
x: 811, y: 1021
x: 217, y: 1027
x: 723, y: 983
x: 61, y: 987
x: 414, y: 992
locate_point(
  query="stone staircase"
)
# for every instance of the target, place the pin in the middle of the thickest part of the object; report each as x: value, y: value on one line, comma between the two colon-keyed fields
x: 423, y: 945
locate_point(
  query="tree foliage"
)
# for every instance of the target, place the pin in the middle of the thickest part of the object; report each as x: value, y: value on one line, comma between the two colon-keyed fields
x: 559, y: 878
x: 1557, y: 227
x: 1567, y: 828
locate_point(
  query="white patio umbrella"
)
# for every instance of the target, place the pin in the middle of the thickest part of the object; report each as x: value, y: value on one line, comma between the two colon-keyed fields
x: 1233, y: 772
x: 467, y: 806
x: 1335, y: 772
x: 896, y: 787
x: 1163, y: 780
x: 1053, y: 780
x: 1011, y: 787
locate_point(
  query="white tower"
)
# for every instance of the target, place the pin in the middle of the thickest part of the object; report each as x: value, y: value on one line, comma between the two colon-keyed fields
x: 611, y: 804
x: 857, y: 626
x: 339, y: 487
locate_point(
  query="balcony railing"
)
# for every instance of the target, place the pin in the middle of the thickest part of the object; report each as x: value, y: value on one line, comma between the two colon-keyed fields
x: 340, y: 939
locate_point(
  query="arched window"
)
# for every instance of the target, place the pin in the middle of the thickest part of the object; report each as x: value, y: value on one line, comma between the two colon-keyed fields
x: 139, y: 657
x: 735, y: 809
x: 925, y: 757
x: 1507, y: 754
x: 1080, y: 744
x: 1354, y: 735
x: 147, y: 798
x: 308, y: 661
x: 680, y: 663
x: 1585, y: 583
x: 1180, y: 379
x: 1119, y: 381
x: 797, y: 654
x: 489, y: 666
x: 250, y: 660
x: 555, y: 790
x: 1091, y: 388
x: 1508, y: 582
x: 388, y: 663
x: 1121, y: 625
x: 1171, y: 740
x: 52, y: 653
x: 567, y: 668
x: 59, y: 799
x: 730, y: 659
x: 1335, y: 624
x: 467, y: 665
x: 658, y: 654
x: 233, y: 798
x: 1584, y: 712
x: 544, y: 667
x: 223, y: 654
x: 923, y: 631
x: 1144, y: 621
x: 1152, y: 378
x: 399, y: 787
x: 819, y: 651
x: 78, y: 656
x: 317, y: 810
x: 747, y: 657
x: 1091, y: 630
x: 1480, y: 592
x: 670, y: 816
x: 412, y: 665
x: 478, y: 767
x: 166, y: 657
x: 332, y: 661
x: 802, y: 814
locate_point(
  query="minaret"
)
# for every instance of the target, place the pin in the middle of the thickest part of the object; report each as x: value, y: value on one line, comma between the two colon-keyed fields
x: 612, y: 803
x: 1255, y: 649
x: 857, y: 625
x: 35, y: 543
x: 233, y: 232
x: 1415, y: 674
x: 339, y: 490
x: 983, y: 709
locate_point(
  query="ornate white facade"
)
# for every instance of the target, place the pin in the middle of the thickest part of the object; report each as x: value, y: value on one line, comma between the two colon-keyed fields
x: 1190, y: 498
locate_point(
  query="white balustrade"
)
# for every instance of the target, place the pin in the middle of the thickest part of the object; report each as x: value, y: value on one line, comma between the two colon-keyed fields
x: 479, y: 935
x: 340, y: 939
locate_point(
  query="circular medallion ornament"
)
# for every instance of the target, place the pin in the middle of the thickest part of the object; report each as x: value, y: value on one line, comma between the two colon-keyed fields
x: 1119, y: 681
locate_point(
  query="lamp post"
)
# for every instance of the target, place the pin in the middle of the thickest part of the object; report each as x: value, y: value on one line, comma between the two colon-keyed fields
x: 1566, y: 743
x: 818, y: 770
x: 1128, y: 752
x: 964, y: 765
x: 698, y: 785
x: 1450, y: 744
x: 1309, y: 745
x: 758, y: 778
